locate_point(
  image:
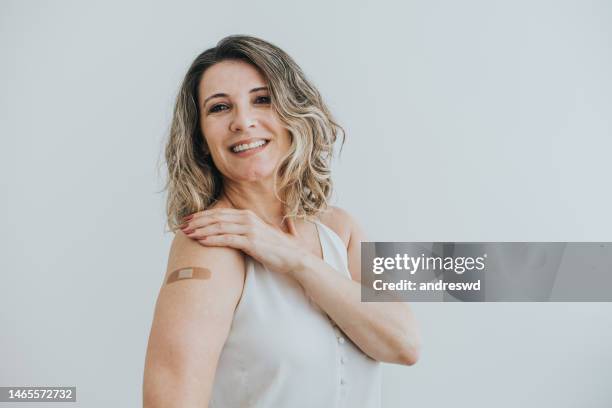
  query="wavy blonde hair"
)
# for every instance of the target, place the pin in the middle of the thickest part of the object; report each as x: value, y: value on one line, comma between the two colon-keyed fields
x: 302, y: 178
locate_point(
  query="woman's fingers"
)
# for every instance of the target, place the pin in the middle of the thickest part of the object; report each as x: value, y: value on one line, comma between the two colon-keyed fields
x: 219, y: 228
x: 219, y: 212
x: 226, y: 240
x: 203, y: 220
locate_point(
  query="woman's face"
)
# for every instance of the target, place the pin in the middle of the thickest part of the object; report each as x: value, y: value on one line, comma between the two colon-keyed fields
x: 244, y: 134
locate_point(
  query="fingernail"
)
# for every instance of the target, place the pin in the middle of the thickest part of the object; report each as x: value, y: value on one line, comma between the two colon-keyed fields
x: 187, y: 232
x: 187, y: 218
x: 183, y: 226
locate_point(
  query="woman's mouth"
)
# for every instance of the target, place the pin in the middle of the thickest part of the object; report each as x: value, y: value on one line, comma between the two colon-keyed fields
x: 248, y: 149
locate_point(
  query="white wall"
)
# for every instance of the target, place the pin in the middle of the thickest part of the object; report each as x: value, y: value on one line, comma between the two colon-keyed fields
x: 467, y: 121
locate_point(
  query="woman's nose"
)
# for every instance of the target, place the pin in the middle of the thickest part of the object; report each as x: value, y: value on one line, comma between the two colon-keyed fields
x: 242, y: 119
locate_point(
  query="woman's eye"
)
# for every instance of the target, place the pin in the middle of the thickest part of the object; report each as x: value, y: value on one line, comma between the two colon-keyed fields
x: 262, y: 99
x: 217, y: 108
x: 221, y: 106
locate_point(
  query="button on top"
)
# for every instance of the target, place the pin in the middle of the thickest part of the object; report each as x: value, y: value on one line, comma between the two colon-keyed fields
x: 341, y: 340
x: 342, y: 360
x: 342, y: 381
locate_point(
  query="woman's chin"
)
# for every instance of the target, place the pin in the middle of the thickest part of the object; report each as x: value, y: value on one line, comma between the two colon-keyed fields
x: 252, y: 175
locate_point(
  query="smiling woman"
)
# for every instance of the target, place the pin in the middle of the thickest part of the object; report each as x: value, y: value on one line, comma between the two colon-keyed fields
x: 239, y: 122
x: 245, y: 78
x: 276, y: 320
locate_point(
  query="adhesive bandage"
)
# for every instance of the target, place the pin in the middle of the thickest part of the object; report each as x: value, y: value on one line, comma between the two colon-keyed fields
x: 191, y: 272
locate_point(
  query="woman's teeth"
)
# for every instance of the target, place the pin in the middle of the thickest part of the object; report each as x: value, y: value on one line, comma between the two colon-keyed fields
x: 243, y: 147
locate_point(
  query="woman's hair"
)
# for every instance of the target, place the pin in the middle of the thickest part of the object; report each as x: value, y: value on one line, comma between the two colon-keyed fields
x: 302, y: 178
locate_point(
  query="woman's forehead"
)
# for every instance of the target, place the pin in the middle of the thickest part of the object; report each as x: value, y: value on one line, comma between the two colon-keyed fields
x: 230, y: 76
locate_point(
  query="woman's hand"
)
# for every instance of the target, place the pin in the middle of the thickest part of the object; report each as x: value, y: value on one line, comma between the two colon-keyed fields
x: 242, y: 229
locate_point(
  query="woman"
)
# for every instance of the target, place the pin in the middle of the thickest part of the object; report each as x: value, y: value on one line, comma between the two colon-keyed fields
x: 261, y: 305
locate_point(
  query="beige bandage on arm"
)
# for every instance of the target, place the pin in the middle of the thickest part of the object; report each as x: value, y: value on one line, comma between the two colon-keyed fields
x: 191, y: 272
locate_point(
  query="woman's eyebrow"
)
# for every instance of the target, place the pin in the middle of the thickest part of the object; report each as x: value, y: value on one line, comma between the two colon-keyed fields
x: 221, y: 94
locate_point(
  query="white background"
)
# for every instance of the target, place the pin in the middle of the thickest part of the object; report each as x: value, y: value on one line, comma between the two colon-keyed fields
x: 467, y: 121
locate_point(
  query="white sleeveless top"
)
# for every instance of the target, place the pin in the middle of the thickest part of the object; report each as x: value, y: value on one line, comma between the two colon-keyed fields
x: 284, y: 351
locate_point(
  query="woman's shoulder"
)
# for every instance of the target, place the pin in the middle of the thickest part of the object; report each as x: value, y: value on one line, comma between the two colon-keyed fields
x: 185, y: 247
x: 222, y: 261
x: 338, y: 220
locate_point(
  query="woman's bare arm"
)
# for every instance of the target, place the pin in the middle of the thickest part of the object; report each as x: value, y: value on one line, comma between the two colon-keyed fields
x: 386, y: 331
x: 190, y: 325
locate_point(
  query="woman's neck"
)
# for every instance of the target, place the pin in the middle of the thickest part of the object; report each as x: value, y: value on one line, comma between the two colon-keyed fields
x: 258, y: 198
